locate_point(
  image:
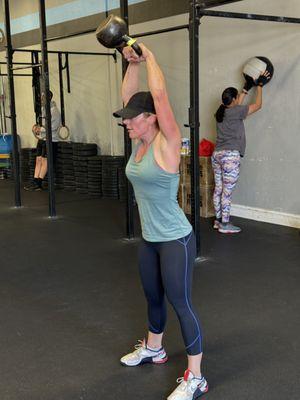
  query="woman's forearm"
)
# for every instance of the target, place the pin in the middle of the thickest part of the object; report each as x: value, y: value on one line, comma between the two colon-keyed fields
x: 258, y: 100
x: 241, y: 97
x: 156, y: 80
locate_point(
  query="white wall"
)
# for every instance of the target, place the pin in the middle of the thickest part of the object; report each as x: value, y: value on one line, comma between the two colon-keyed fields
x: 270, y: 170
x: 270, y: 173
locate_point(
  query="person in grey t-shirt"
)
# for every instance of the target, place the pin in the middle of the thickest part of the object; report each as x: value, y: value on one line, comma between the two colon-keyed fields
x: 41, y: 165
x: 230, y: 147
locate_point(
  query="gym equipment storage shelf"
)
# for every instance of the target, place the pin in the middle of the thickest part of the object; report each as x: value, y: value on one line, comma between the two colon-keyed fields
x: 206, y: 181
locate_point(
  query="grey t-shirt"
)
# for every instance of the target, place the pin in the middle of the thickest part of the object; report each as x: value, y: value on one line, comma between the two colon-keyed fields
x: 231, y: 132
x: 55, y: 122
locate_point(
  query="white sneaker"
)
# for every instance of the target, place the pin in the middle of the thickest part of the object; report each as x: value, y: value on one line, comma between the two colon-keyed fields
x: 143, y: 355
x: 190, y: 388
x: 216, y: 224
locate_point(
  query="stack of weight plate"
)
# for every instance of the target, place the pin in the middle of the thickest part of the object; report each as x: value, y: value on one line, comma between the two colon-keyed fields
x: 122, y: 183
x: 65, y: 178
x: 81, y: 154
x: 110, y: 179
x: 59, y: 174
x: 95, y: 176
x: 81, y: 174
x: 27, y: 164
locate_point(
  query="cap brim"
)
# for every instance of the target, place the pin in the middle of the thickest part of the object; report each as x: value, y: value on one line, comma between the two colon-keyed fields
x: 127, y: 113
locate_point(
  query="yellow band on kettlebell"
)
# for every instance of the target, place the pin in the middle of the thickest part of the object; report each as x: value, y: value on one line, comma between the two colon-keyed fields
x: 131, y: 42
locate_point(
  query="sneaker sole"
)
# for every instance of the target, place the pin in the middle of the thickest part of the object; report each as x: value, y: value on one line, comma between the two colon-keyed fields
x: 33, y: 190
x: 196, y: 396
x: 227, y: 231
x: 201, y: 394
x: 162, y: 361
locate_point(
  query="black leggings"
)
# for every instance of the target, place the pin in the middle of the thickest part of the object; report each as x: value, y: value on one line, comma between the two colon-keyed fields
x: 166, y: 268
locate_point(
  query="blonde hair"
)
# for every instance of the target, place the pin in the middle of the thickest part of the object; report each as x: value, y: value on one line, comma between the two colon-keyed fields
x: 148, y: 114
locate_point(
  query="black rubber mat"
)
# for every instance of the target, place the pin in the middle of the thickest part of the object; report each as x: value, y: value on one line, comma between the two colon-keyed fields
x: 72, y: 305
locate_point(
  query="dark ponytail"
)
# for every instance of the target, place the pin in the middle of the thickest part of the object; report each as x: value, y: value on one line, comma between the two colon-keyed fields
x: 220, y: 113
x: 228, y: 96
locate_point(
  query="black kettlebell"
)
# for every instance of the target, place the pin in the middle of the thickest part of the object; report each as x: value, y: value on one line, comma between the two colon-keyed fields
x: 112, y: 33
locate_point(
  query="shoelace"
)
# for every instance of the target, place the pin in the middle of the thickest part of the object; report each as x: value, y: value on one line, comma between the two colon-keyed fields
x: 140, y: 345
x: 190, y: 384
x: 181, y: 380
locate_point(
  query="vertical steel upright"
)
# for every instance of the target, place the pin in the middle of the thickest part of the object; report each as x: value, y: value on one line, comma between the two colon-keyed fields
x: 194, y: 22
x: 13, y: 119
x: 61, y: 89
x: 36, y: 87
x: 45, y: 83
x: 127, y: 145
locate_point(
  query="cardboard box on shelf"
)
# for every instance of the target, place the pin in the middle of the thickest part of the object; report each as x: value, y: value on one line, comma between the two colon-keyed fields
x: 206, y: 200
x: 206, y: 172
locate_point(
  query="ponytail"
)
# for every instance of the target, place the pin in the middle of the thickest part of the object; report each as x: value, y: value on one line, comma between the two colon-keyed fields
x: 220, y: 113
x: 227, y: 97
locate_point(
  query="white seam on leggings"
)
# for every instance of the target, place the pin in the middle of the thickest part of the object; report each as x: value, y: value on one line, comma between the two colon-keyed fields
x: 185, y: 291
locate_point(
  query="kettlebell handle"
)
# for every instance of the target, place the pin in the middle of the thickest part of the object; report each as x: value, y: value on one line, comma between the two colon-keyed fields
x: 132, y: 43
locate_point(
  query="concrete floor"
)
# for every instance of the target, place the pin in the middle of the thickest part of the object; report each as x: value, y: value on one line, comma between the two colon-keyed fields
x: 72, y: 304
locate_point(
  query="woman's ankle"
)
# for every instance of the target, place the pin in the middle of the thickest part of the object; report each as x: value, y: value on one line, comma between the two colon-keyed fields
x: 154, y: 341
x: 153, y: 345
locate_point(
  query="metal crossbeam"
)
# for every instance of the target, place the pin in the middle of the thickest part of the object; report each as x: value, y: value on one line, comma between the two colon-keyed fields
x: 16, y: 75
x: 80, y: 53
x: 16, y: 63
x: 253, y: 17
x: 28, y: 66
x: 215, y: 3
x: 159, y: 31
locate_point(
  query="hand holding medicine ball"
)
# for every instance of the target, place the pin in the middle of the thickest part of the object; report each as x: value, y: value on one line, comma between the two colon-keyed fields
x: 260, y: 70
x: 263, y: 79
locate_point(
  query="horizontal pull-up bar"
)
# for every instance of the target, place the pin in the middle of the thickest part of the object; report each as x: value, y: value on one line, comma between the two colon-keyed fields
x: 175, y: 28
x: 80, y: 53
x: 17, y: 75
x: 254, y: 17
x: 16, y: 63
x: 215, y: 3
x: 27, y: 66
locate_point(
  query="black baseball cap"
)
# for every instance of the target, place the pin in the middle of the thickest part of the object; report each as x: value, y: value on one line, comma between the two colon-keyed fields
x: 139, y: 103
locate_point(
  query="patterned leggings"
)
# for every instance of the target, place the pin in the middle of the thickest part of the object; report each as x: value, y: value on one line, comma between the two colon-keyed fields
x: 226, y: 166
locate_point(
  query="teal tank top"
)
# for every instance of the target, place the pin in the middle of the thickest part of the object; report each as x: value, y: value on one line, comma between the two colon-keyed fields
x: 156, y: 195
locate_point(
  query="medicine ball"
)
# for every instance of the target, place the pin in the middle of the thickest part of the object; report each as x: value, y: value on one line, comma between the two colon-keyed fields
x: 258, y: 65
